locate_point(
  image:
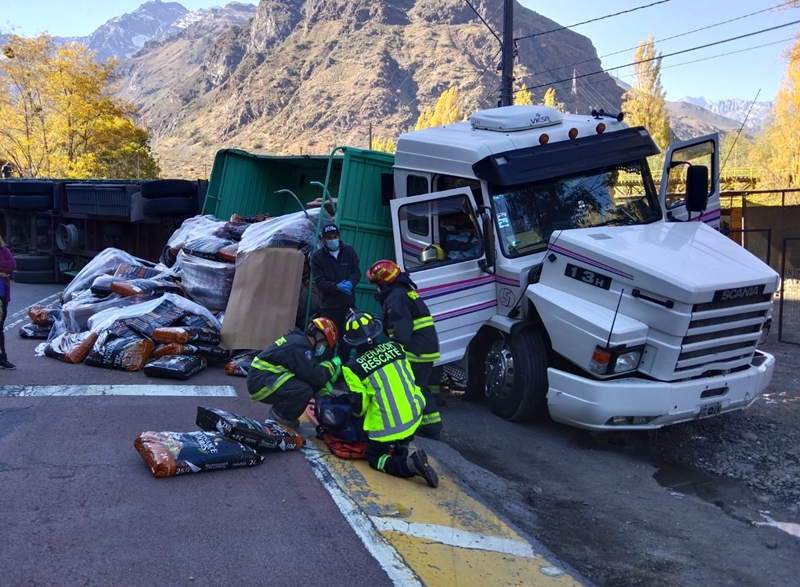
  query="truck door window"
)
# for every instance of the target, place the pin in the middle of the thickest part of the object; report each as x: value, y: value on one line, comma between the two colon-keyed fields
x: 416, y: 185
x: 615, y: 195
x: 455, y: 236
x: 682, y: 159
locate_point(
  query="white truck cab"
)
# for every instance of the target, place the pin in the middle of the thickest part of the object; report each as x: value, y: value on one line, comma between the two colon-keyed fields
x: 562, y: 279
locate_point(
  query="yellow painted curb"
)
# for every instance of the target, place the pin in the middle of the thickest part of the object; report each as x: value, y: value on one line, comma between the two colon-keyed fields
x: 444, y: 536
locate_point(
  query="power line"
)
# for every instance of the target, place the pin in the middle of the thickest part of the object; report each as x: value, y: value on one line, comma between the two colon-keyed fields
x: 491, y: 30
x: 592, y: 20
x: 629, y: 75
x: 667, y: 38
x: 659, y: 57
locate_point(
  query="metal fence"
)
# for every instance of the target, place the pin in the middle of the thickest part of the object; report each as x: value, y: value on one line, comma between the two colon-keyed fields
x: 789, y: 307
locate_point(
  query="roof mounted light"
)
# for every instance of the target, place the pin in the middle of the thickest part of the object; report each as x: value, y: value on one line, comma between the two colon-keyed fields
x: 543, y: 138
x: 573, y: 133
x: 600, y: 128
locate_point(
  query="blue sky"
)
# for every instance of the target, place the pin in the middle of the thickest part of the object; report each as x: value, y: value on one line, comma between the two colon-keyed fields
x: 737, y: 75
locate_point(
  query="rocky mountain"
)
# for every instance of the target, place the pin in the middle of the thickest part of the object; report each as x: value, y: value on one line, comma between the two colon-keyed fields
x: 306, y: 75
x: 755, y: 113
x: 688, y: 120
x: 154, y: 20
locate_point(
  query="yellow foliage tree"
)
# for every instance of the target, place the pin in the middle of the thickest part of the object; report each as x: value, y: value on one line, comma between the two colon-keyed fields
x: 778, y: 148
x: 645, y: 103
x: 386, y: 145
x: 523, y: 96
x: 446, y: 111
x: 60, y: 118
x: 550, y: 100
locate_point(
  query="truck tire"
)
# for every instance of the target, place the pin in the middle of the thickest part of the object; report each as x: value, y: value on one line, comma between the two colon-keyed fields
x: 170, y: 207
x: 36, y: 202
x: 30, y: 188
x: 27, y: 262
x: 515, y: 375
x: 168, y: 188
x: 48, y: 276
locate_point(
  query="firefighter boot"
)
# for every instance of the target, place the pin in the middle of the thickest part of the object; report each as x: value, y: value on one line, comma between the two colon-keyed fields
x: 418, y: 462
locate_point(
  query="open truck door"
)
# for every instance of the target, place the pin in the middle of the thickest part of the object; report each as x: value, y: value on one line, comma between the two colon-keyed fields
x: 683, y: 193
x: 438, y: 241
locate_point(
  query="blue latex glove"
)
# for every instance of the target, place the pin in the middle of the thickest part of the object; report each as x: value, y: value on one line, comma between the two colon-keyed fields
x: 345, y: 287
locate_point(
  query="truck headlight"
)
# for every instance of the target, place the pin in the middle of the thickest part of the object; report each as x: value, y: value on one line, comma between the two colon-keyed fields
x: 613, y: 361
x: 628, y: 361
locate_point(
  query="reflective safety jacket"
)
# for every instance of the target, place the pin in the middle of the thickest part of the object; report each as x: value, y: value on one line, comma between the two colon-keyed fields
x: 408, y: 320
x: 391, y: 403
x: 290, y: 356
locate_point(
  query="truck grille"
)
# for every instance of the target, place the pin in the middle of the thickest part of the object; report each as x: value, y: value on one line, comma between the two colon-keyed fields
x: 722, y: 335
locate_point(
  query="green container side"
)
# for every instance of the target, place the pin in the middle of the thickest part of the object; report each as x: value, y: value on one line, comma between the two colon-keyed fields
x: 245, y: 183
x: 364, y: 221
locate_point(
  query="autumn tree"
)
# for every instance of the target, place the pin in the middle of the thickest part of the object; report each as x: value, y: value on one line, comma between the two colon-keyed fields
x: 386, y: 145
x: 645, y: 103
x: 447, y: 110
x: 778, y: 148
x: 60, y: 118
x: 550, y: 100
x: 523, y: 96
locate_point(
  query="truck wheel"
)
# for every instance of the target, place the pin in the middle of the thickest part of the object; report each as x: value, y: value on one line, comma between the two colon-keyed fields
x: 168, y: 188
x: 36, y: 202
x: 27, y: 262
x: 515, y: 376
x: 34, y: 276
x: 30, y: 188
x: 170, y: 206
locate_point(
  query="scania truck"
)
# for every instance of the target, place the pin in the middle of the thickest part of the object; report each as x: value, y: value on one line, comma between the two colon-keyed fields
x: 560, y: 278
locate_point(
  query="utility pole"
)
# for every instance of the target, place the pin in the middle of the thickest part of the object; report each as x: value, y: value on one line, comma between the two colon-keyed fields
x: 507, y: 83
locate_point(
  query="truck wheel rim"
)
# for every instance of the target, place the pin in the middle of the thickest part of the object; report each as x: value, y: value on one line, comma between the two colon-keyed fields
x: 499, y: 371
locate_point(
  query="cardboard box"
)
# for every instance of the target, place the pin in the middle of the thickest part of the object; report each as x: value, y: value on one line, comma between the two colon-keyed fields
x: 263, y: 303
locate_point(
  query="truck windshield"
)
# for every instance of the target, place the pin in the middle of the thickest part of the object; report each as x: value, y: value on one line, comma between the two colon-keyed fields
x: 616, y: 195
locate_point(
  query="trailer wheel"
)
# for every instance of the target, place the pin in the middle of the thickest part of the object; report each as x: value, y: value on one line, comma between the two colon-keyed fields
x: 27, y: 262
x: 30, y: 202
x: 48, y: 276
x: 170, y: 206
x: 30, y: 188
x: 515, y: 375
x: 168, y: 188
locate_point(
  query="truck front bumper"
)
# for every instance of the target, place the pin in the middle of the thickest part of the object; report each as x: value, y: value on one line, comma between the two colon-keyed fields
x: 596, y: 405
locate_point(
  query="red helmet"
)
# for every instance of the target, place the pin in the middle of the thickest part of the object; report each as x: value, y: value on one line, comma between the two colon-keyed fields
x: 326, y: 327
x: 383, y: 272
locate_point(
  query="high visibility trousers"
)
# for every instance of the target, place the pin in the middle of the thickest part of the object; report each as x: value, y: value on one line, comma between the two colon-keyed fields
x: 396, y: 463
x: 431, y: 425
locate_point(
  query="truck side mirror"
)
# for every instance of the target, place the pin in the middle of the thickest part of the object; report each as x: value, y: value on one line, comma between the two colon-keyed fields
x: 696, y: 188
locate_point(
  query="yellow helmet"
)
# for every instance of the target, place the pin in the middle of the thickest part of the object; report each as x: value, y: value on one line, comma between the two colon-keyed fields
x: 432, y: 253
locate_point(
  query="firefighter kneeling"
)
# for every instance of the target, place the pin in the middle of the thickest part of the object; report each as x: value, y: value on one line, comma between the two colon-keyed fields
x: 391, y: 403
x: 288, y: 372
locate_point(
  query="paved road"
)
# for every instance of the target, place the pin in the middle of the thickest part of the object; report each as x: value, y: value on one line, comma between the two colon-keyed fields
x: 81, y: 508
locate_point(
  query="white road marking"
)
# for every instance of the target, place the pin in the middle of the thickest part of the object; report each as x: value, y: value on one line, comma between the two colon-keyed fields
x: 384, y: 553
x: 141, y: 390
x: 452, y: 537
